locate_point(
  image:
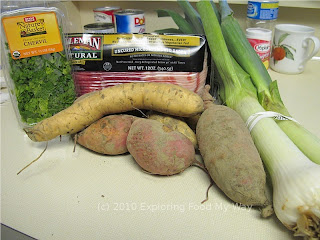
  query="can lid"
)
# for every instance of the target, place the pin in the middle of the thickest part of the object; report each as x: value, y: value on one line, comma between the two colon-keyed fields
x: 98, y: 26
x: 259, y: 33
x: 129, y: 12
x: 107, y: 8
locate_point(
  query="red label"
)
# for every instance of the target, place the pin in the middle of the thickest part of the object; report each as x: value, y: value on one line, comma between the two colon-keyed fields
x: 138, y: 21
x: 29, y: 19
x: 262, y: 48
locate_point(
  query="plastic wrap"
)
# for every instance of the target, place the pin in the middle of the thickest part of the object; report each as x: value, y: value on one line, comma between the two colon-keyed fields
x: 101, y: 61
x: 35, y: 59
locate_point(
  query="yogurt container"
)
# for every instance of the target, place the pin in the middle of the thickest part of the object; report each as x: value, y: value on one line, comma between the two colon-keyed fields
x: 260, y: 39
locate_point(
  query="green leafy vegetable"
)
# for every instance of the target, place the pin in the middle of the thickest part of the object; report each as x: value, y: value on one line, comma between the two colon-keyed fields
x: 43, y: 85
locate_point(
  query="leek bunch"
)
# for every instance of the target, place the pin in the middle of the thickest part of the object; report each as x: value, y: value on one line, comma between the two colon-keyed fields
x: 295, y: 178
x: 268, y: 92
x: 288, y: 150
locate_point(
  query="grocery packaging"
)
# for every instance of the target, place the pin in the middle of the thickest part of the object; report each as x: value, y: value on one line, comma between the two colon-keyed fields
x: 35, y: 58
x: 130, y: 21
x: 262, y: 14
x: 260, y: 39
x: 105, y: 14
x: 104, y: 60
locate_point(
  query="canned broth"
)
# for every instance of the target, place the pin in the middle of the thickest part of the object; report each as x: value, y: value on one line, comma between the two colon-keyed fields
x: 105, y: 14
x: 100, y: 27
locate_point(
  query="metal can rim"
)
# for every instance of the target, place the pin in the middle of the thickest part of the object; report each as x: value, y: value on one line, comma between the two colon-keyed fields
x: 99, y: 9
x: 129, y: 12
x: 99, y: 26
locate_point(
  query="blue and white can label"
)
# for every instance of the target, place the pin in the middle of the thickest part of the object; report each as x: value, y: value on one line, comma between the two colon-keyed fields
x: 263, y: 10
x: 130, y: 21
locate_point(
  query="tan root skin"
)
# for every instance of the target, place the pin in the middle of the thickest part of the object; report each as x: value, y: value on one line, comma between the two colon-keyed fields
x: 162, y: 97
x: 208, y: 101
x: 230, y: 155
x: 108, y: 135
x: 159, y: 149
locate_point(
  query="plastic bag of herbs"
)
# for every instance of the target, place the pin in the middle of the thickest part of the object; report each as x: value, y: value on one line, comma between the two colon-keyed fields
x: 35, y: 60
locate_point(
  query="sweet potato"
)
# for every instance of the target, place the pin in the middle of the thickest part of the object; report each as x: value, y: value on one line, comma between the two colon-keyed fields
x: 176, y: 123
x: 158, y: 149
x: 108, y: 135
x: 162, y: 97
x: 230, y: 155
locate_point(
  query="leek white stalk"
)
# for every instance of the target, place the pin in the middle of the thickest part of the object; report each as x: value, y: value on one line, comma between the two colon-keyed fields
x: 295, y: 179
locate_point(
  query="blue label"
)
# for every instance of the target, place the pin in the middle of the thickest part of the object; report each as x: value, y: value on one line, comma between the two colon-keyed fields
x: 123, y: 23
x: 263, y: 10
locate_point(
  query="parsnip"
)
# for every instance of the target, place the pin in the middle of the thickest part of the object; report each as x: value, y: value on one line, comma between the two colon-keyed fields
x: 162, y: 97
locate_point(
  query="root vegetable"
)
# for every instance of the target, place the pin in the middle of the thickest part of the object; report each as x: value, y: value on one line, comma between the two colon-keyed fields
x: 230, y: 156
x: 108, y: 135
x: 175, y: 123
x: 208, y: 101
x: 162, y: 97
x: 158, y: 149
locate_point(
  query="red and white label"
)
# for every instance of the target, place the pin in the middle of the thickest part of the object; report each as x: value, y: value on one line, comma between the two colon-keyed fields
x: 29, y: 19
x: 262, y: 48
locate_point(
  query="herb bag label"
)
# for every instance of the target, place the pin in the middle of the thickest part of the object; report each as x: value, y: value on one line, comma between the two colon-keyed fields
x: 32, y: 34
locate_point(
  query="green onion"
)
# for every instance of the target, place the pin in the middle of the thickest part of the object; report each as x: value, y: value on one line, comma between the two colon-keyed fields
x: 268, y: 92
x: 295, y: 179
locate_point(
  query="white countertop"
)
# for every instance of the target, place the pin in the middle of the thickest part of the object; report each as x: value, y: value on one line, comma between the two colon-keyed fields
x: 83, y: 195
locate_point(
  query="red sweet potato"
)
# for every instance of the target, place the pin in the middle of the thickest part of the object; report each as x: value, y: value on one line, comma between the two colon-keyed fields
x: 108, y: 135
x: 159, y: 149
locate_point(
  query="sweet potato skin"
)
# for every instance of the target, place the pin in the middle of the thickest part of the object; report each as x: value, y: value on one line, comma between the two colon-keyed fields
x: 158, y: 149
x: 161, y: 97
x: 230, y: 156
x: 177, y: 124
x: 108, y: 135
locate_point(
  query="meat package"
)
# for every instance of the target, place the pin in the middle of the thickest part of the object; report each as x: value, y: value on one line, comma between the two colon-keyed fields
x: 104, y: 60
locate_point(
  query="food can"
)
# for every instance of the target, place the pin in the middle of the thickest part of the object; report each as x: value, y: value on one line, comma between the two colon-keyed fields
x: 130, y: 21
x: 105, y: 14
x: 100, y: 27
